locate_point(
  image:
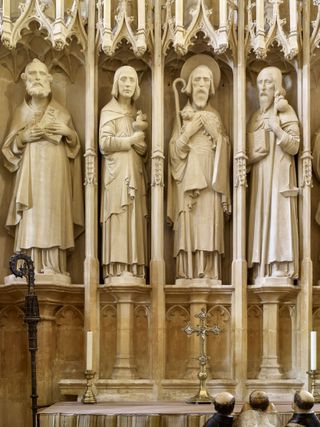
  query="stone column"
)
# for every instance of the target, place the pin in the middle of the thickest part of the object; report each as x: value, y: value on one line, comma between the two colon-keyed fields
x: 239, y: 264
x: 305, y: 181
x: 157, y: 267
x: 124, y: 366
x: 270, y: 368
x: 91, y: 264
x: 271, y: 296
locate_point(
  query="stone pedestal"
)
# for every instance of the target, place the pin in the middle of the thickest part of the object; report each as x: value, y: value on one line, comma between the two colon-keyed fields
x: 43, y: 279
x: 271, y: 295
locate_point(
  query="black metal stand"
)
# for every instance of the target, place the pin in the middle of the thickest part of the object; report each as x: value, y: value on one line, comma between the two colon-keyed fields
x: 31, y: 317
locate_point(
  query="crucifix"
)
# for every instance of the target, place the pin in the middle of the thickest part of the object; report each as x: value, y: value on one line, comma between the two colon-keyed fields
x: 202, y: 331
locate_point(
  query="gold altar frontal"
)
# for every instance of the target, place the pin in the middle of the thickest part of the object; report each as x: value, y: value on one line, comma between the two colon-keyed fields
x: 137, y: 414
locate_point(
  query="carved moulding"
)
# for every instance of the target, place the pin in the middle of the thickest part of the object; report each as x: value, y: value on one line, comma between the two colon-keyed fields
x: 269, y: 28
x: 110, y: 37
x: 220, y: 39
x: 59, y: 28
x: 91, y: 167
x: 306, y: 169
x: 157, y: 170
x: 241, y: 170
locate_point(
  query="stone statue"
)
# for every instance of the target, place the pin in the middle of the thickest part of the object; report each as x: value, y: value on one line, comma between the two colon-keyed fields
x: 259, y: 412
x: 273, y: 141
x: 199, y: 187
x: 123, y: 204
x: 42, y: 149
x: 223, y: 404
x: 303, y: 403
x: 316, y: 167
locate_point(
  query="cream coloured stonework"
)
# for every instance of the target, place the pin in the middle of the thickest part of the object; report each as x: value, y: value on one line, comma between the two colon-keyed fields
x: 139, y: 350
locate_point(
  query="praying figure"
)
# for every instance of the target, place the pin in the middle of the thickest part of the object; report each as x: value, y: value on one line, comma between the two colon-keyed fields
x: 124, y: 191
x: 273, y: 141
x: 42, y: 149
x: 199, y: 179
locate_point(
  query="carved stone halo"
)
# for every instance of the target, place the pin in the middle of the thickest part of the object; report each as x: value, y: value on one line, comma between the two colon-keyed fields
x: 201, y: 59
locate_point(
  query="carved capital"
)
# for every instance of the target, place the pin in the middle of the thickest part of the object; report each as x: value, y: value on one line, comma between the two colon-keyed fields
x: 91, y: 167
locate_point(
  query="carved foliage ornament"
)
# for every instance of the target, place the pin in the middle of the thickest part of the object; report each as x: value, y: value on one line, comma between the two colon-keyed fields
x: 59, y: 28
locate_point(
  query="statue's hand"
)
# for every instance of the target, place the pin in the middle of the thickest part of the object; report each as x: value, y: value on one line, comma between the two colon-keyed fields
x: 57, y: 128
x: 272, y: 124
x: 140, y: 148
x: 136, y: 138
x: 32, y: 134
x: 193, y: 127
x: 138, y: 143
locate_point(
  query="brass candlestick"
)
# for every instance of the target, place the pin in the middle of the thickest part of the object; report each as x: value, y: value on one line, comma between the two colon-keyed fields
x: 313, y: 375
x: 89, y: 396
x: 202, y: 330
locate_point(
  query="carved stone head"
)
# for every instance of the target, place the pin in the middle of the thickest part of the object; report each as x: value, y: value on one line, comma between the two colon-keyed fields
x: 269, y: 82
x: 37, y: 79
x: 200, y: 85
x: 125, y: 83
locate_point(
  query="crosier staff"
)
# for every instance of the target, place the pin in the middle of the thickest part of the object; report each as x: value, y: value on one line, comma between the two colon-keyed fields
x: 31, y: 317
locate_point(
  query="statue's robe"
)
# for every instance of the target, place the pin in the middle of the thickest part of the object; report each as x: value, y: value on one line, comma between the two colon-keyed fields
x: 273, y: 217
x: 198, y: 196
x: 123, y: 203
x: 46, y: 208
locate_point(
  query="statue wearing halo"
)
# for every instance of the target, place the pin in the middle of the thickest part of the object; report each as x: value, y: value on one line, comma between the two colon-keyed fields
x: 199, y: 187
x: 123, y: 205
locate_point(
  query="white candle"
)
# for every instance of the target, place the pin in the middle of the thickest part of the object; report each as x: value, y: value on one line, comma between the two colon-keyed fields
x: 293, y: 15
x: 141, y: 14
x: 89, y: 351
x: 179, y: 13
x: 260, y: 16
x: 223, y: 13
x: 313, y: 353
x: 107, y: 14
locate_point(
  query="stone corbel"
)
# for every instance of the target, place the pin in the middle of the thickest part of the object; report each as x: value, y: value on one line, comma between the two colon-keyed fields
x: 261, y: 41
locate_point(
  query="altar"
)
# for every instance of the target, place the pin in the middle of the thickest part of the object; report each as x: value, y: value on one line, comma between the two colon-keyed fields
x: 138, y: 414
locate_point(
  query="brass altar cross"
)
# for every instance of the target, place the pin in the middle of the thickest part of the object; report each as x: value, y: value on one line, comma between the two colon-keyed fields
x: 202, y: 330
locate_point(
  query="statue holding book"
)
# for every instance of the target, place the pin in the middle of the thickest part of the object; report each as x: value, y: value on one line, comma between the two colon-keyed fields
x: 273, y: 141
x: 42, y: 149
